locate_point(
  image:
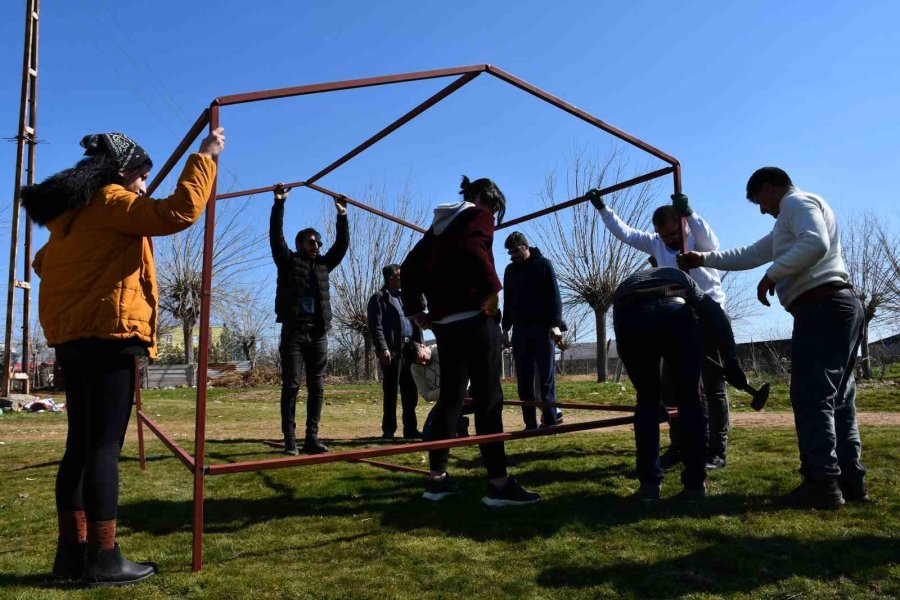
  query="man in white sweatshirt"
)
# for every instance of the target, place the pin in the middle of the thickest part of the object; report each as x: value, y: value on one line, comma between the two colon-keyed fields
x: 663, y: 245
x: 812, y: 283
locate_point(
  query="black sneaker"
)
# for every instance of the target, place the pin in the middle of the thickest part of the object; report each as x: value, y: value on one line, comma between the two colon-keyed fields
x: 438, y: 489
x: 669, y: 459
x: 692, y: 494
x: 412, y: 435
x: 823, y: 494
x: 511, y: 494
x: 854, y: 491
x: 647, y: 492
x: 714, y: 463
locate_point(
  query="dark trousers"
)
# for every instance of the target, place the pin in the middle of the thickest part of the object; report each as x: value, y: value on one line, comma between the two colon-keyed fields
x: 99, y: 394
x: 534, y: 354
x: 398, y: 375
x: 713, y: 403
x: 470, y: 352
x: 309, y: 345
x: 646, y: 333
x: 827, y: 335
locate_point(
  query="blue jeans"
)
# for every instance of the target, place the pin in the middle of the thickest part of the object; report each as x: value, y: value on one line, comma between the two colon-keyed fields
x: 827, y: 335
x: 646, y: 333
x: 534, y: 354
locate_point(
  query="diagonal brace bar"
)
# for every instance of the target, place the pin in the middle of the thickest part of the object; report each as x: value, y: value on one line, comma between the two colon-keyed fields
x: 603, y: 192
x: 363, y: 206
x: 412, y: 114
x: 195, y: 130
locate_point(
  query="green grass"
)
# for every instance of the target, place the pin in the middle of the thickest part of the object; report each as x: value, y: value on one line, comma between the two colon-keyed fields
x: 353, y: 531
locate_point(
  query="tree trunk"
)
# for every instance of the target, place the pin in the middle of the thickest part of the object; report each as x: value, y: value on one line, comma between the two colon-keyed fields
x: 866, y: 359
x: 600, y: 328
x: 187, y: 329
x: 367, y: 356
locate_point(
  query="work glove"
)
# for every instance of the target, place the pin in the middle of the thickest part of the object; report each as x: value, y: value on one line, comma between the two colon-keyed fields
x: 680, y: 203
x: 596, y: 198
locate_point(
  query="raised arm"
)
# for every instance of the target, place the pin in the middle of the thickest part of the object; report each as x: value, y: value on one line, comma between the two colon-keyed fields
x: 135, y: 214
x: 642, y: 240
x: 280, y: 251
x: 336, y: 253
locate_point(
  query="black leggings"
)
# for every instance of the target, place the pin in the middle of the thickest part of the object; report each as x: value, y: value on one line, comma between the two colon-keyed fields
x: 99, y: 393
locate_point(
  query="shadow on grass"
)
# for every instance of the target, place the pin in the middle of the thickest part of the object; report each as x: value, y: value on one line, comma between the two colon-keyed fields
x: 45, y: 582
x: 735, y: 564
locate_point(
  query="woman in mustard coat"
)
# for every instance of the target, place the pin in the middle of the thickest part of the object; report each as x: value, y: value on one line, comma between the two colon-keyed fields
x: 98, y: 306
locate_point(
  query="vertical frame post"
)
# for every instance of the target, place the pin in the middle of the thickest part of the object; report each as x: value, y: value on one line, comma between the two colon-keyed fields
x: 139, y: 407
x: 203, y: 365
x: 682, y: 221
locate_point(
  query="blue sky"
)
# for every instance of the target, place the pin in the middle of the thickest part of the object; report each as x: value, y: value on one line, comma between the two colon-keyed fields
x: 726, y: 87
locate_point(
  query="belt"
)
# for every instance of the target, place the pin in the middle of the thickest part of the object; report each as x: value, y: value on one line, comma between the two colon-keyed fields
x: 821, y: 292
x: 305, y: 326
x: 640, y: 301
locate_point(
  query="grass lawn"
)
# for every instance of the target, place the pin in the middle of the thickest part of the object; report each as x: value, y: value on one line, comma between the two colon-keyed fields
x: 354, y: 531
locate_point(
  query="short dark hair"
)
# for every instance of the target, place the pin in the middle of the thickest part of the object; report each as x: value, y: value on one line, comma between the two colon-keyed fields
x: 410, y: 351
x: 665, y: 214
x: 390, y: 270
x: 771, y: 175
x: 516, y: 238
x: 486, y: 191
x: 303, y: 233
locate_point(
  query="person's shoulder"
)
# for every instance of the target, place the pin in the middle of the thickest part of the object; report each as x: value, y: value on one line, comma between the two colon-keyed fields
x: 797, y: 199
x: 115, y: 193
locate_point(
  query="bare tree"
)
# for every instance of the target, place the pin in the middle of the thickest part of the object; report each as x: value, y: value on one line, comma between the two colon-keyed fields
x: 740, y: 298
x: 248, y: 319
x: 871, y: 272
x: 590, y: 263
x: 237, y: 249
x: 890, y: 244
x: 374, y: 243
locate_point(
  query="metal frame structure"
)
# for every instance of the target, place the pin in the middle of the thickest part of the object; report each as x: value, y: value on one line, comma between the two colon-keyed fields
x: 26, y: 135
x: 210, y: 118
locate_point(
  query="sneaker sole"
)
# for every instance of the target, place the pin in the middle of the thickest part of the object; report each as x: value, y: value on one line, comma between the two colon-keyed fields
x: 437, y: 496
x: 496, y: 502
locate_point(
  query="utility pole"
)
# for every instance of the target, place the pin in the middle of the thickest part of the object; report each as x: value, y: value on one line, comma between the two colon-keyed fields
x: 24, y: 166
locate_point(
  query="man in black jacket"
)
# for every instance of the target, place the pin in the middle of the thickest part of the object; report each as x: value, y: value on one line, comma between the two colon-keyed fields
x: 390, y: 330
x: 303, y: 307
x: 533, y: 310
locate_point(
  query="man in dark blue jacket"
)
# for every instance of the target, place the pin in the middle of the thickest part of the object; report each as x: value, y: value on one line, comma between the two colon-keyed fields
x: 533, y: 310
x: 303, y: 307
x: 663, y: 314
x: 390, y: 330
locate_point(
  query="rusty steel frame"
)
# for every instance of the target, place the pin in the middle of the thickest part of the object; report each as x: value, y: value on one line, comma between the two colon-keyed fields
x: 209, y: 118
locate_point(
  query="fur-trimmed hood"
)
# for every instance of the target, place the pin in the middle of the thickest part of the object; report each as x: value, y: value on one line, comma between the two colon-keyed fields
x: 69, y: 189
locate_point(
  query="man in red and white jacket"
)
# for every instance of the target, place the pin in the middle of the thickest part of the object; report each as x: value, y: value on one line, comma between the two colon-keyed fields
x: 450, y: 284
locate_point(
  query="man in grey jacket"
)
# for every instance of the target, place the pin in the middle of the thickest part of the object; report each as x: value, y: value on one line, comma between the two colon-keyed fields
x: 812, y: 283
x: 390, y: 330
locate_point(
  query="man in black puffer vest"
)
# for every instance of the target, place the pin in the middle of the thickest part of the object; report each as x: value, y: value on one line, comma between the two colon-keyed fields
x: 303, y: 307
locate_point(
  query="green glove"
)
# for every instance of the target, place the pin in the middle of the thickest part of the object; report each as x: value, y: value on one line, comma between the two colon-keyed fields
x: 680, y: 203
x: 596, y: 198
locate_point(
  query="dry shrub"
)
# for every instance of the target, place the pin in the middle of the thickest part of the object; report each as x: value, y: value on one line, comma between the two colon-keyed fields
x: 258, y: 377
